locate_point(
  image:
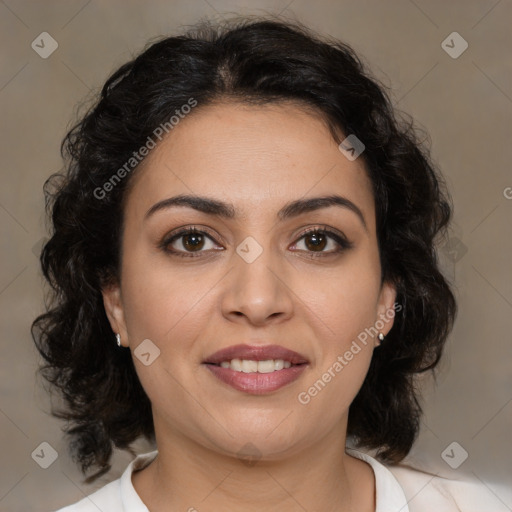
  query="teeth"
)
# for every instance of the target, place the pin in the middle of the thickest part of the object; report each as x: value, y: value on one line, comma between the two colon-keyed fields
x: 249, y: 366
x: 268, y: 366
x: 236, y: 365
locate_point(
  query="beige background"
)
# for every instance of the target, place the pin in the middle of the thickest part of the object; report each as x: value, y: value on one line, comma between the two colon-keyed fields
x: 464, y: 103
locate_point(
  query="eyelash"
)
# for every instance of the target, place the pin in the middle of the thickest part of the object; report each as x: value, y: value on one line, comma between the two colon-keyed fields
x: 339, y: 239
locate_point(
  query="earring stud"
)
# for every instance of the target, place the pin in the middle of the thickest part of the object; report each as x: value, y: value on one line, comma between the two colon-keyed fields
x: 381, y: 338
x: 118, y: 339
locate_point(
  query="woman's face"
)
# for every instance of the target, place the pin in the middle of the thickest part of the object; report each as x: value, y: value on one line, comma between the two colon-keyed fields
x: 250, y: 278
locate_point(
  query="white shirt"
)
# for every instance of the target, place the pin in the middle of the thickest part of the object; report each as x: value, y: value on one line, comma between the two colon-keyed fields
x: 399, y: 488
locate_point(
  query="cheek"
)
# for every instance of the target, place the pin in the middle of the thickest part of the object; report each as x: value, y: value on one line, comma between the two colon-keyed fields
x: 342, y: 309
x: 343, y: 315
x: 344, y: 299
x: 156, y: 299
x: 329, y: 391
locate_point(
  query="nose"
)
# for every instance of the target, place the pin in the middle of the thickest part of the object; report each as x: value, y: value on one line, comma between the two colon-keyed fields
x: 257, y: 293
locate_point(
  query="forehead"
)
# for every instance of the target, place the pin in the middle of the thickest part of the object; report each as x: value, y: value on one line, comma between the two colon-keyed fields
x: 255, y: 157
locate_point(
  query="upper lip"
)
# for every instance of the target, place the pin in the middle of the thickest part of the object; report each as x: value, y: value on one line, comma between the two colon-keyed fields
x: 255, y: 353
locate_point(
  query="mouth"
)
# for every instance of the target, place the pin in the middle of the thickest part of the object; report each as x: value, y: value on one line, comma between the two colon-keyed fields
x: 256, y: 369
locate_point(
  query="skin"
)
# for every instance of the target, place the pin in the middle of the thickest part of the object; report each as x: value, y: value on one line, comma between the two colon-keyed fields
x: 258, y: 158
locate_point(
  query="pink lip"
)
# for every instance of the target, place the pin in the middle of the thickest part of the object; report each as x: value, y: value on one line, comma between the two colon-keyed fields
x: 256, y: 383
x: 256, y: 353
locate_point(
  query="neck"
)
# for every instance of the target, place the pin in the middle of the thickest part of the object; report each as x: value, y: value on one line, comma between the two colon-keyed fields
x: 187, y: 476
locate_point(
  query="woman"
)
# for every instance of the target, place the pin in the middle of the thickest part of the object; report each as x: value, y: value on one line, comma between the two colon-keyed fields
x: 246, y: 217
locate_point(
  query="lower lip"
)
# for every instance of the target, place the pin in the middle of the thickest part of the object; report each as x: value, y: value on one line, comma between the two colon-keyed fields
x: 257, y: 383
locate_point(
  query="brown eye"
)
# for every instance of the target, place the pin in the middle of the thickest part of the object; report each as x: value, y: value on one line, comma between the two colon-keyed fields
x: 316, y: 241
x: 188, y: 242
x: 193, y: 241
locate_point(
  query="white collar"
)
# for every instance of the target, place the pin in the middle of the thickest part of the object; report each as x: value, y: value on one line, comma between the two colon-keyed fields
x: 390, y: 496
x: 131, y: 500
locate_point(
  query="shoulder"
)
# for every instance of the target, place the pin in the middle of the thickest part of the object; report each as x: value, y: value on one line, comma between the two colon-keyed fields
x: 425, y: 490
x: 410, y: 486
x: 106, y: 498
x: 116, y: 496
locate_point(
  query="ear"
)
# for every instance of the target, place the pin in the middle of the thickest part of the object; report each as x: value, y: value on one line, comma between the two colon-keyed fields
x: 385, y: 307
x: 115, y: 311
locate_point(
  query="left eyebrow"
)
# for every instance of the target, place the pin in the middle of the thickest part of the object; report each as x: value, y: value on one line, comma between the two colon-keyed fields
x: 301, y: 206
x: 228, y: 211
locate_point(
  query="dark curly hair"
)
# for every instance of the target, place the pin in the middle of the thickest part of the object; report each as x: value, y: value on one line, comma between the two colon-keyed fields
x: 254, y: 61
